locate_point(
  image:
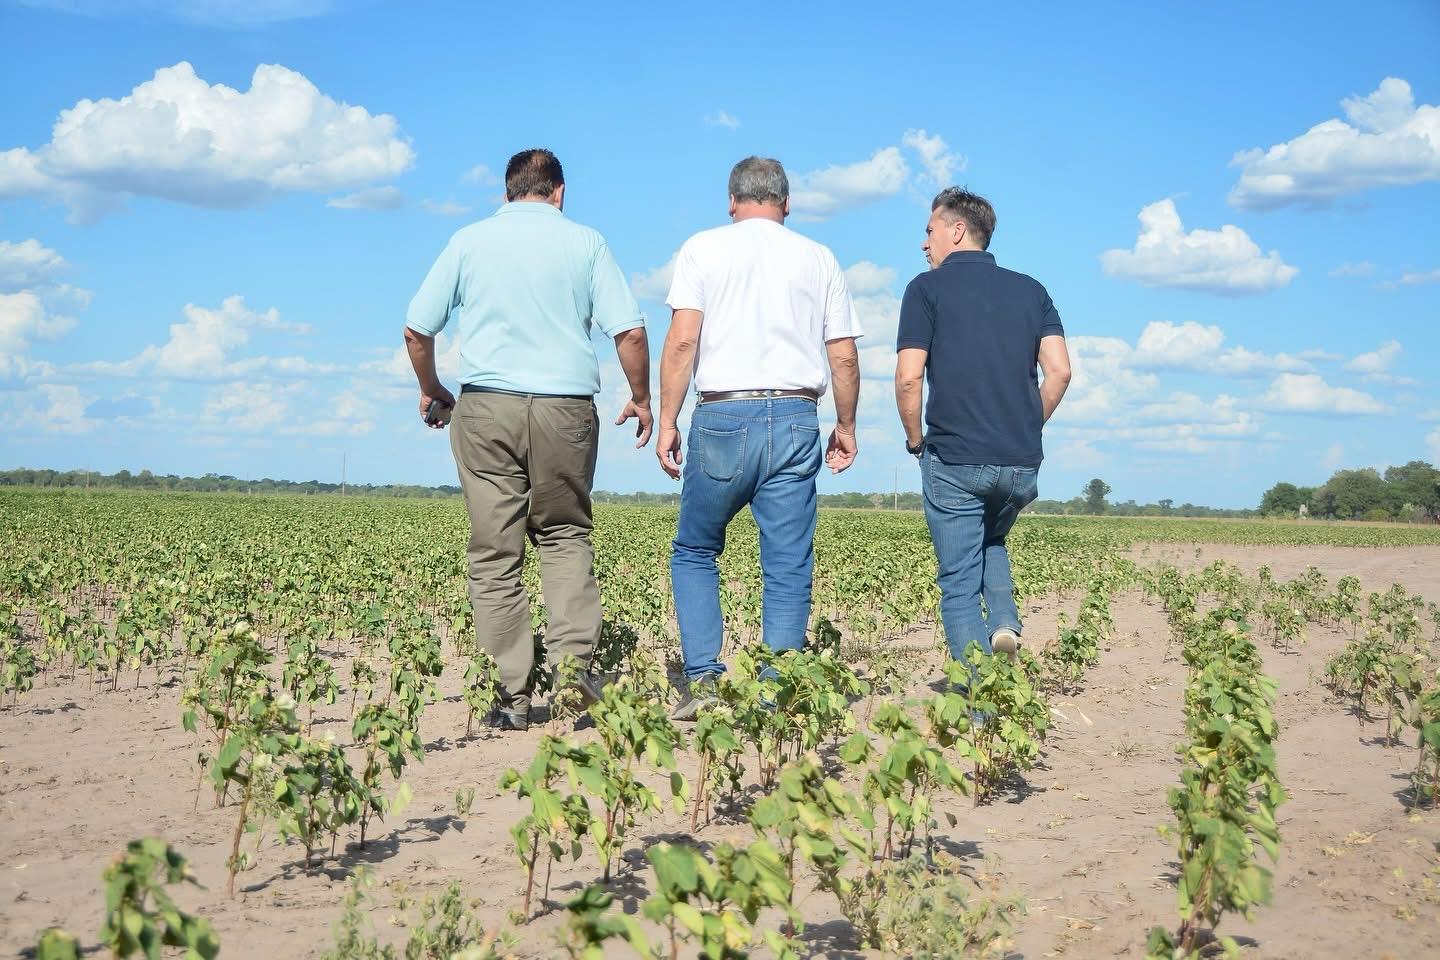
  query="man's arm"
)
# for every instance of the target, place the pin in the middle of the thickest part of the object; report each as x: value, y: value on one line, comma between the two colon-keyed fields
x: 422, y: 358
x: 677, y: 360
x: 845, y: 382
x: 910, y: 391
x: 1054, y: 361
x: 633, y: 349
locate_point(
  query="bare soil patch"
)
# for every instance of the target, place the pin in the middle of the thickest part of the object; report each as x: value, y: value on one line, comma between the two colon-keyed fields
x: 82, y: 771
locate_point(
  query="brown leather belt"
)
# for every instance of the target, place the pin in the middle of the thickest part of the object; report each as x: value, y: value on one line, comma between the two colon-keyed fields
x: 712, y: 396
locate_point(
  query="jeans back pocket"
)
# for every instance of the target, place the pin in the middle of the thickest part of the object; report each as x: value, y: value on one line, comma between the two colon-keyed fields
x: 721, y: 452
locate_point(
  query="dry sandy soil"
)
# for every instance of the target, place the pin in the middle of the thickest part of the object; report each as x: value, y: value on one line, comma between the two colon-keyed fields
x: 82, y: 772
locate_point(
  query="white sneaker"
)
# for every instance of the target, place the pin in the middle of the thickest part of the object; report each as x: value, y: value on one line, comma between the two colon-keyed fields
x: 1004, y: 641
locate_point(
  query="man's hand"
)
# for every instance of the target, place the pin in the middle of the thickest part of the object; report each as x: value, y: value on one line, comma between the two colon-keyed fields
x: 667, y: 450
x: 640, y: 410
x: 840, y: 451
x: 437, y: 394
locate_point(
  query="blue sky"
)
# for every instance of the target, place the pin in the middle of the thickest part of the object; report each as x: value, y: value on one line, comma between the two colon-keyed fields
x: 213, y: 214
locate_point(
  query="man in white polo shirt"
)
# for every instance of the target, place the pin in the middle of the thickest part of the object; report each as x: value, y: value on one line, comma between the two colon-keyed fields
x: 763, y: 317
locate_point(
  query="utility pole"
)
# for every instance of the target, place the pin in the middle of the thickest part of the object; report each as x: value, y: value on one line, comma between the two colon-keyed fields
x: 343, y: 457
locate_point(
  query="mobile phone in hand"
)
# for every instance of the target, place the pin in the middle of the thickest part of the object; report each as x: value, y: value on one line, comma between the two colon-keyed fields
x: 438, y: 412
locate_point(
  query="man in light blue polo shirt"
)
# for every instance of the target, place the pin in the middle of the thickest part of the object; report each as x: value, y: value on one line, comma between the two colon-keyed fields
x: 525, y: 287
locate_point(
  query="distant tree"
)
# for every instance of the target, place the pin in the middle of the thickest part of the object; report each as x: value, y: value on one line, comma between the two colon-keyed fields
x: 1416, y: 485
x: 1350, y: 494
x: 1283, y: 499
x: 1166, y: 505
x: 1095, y: 493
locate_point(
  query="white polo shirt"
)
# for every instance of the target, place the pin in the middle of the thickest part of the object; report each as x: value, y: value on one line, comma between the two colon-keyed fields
x: 771, y: 299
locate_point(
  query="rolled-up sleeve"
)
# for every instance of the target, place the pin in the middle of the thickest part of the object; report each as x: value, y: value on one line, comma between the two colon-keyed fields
x: 612, y: 306
x: 439, y: 293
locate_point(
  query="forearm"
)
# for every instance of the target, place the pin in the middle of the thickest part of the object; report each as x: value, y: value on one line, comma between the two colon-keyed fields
x: 422, y: 358
x: 676, y: 362
x: 845, y: 382
x: 633, y: 349
x: 1052, y: 390
x: 909, y: 397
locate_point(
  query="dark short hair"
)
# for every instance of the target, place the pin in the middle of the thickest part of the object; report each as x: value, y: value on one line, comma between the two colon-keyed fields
x: 759, y: 180
x: 533, y: 173
x: 960, y: 204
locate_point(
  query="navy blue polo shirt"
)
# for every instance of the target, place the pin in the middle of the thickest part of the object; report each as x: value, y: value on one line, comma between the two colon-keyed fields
x: 982, y: 326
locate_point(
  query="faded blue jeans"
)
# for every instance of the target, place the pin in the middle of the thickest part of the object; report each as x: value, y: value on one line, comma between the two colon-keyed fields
x: 970, y: 509
x: 765, y: 453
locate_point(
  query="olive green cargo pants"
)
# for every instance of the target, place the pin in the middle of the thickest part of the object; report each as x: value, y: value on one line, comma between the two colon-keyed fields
x: 527, y: 465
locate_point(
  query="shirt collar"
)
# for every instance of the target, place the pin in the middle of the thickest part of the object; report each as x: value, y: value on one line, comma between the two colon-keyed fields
x: 529, y: 206
x: 969, y: 256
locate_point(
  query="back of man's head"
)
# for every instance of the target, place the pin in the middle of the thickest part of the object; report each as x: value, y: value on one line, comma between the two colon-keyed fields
x: 534, y: 174
x: 957, y: 203
x: 759, y: 180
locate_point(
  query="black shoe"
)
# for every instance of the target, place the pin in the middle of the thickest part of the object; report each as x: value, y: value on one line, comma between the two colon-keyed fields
x: 585, y: 690
x: 702, y: 694
x: 505, y: 720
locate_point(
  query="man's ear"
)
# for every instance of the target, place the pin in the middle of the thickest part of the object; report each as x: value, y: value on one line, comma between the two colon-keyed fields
x: 961, y: 228
x: 785, y: 208
x: 558, y: 197
x: 732, y: 206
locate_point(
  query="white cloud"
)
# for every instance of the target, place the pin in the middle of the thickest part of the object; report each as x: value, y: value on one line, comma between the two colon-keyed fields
x: 24, y: 319
x: 1361, y: 269
x: 396, y: 363
x: 1431, y: 415
x: 1193, y: 346
x: 935, y: 157
x: 202, y: 347
x: 1432, y: 439
x: 1334, y: 456
x: 1309, y: 393
x: 216, y: 13
x: 655, y: 284
x: 1077, y: 455
x: 1224, y: 261
x: 1429, y: 276
x: 179, y: 138
x: 445, y: 208
x: 866, y: 277
x: 1103, y: 381
x: 1375, y: 366
x: 482, y: 175
x: 27, y: 264
x: 248, y: 407
x: 820, y: 194
x: 722, y: 119
x: 371, y: 198
x: 1388, y: 141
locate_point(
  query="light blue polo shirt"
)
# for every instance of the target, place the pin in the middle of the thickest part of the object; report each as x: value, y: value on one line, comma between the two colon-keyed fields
x: 524, y: 287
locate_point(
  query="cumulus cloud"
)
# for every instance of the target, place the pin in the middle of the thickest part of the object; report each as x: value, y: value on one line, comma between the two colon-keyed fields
x: 1432, y: 439
x: 482, y: 175
x: 24, y: 318
x: 1428, y: 276
x: 445, y: 208
x: 178, y: 138
x: 654, y: 284
x: 866, y: 277
x: 1224, y: 261
x: 1163, y: 345
x: 1387, y: 141
x: 936, y: 159
x: 1376, y: 365
x: 371, y: 198
x: 1309, y: 393
x: 821, y: 194
x: 49, y: 408
x: 28, y: 264
x: 202, y: 347
x: 722, y: 118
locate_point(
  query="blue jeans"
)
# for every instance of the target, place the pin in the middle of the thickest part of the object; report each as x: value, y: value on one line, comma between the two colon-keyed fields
x: 970, y: 509
x: 765, y: 453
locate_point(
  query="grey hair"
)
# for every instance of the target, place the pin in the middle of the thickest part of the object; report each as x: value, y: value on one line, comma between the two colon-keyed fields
x: 960, y: 204
x: 759, y: 180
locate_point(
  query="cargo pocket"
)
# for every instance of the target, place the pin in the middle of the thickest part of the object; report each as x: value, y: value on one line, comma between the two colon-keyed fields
x: 721, y: 452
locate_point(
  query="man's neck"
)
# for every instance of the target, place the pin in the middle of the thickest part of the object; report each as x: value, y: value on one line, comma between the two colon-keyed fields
x: 759, y: 211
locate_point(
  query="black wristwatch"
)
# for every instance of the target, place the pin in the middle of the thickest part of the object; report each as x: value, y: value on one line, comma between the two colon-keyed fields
x: 916, y: 450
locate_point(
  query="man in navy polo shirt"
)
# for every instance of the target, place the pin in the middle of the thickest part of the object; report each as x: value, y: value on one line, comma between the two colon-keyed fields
x: 979, y: 331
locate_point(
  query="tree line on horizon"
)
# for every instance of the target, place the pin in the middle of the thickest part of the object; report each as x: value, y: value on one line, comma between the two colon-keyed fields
x: 1410, y: 492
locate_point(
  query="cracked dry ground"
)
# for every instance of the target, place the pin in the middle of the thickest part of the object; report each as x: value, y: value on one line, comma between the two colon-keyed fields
x: 82, y: 772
